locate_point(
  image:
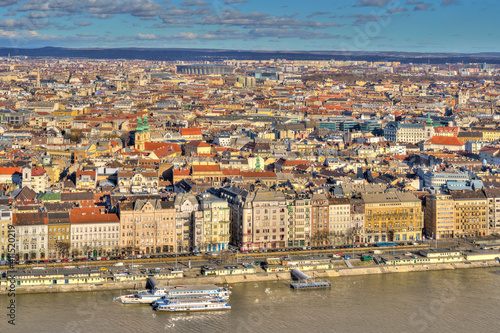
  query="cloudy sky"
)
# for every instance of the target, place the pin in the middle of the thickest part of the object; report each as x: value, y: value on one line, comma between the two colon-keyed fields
x: 385, y: 25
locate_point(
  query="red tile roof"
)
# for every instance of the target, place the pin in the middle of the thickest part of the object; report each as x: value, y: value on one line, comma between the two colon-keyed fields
x: 190, y: 131
x: 197, y: 143
x: 167, y: 150
x: 9, y: 170
x: 445, y: 140
x: 85, y: 173
x: 152, y: 146
x: 38, y: 171
x: 206, y: 168
x: 182, y: 172
x: 295, y: 163
x: 91, y: 215
x: 446, y: 129
x: 231, y: 172
x: 258, y: 174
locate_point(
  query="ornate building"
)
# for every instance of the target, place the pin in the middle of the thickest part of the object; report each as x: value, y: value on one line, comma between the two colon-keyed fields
x: 147, y: 226
x: 409, y: 132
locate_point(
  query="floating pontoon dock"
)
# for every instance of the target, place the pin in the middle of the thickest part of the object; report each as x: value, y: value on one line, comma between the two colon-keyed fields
x: 301, y: 280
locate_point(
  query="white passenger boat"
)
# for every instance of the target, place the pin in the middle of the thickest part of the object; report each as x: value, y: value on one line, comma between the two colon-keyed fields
x: 196, y: 291
x: 156, y: 292
x: 140, y: 297
x: 189, y: 305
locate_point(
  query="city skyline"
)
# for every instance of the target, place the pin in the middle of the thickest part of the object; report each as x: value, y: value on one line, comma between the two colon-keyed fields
x: 355, y: 25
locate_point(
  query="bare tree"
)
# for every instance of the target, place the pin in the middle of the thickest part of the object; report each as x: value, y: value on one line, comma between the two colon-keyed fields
x: 63, y: 248
x: 86, y: 250
x: 320, y: 237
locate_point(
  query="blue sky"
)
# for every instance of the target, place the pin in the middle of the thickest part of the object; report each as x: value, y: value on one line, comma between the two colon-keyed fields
x: 366, y: 25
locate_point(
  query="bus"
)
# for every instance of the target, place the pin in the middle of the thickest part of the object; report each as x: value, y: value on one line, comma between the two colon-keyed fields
x: 386, y: 244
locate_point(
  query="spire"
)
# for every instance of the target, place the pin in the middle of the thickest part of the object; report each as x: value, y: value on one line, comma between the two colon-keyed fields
x: 257, y: 164
x: 145, y: 123
x: 139, y: 127
x: 429, y: 121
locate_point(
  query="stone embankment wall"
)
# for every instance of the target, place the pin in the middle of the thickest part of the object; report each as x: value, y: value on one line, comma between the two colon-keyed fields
x: 258, y: 277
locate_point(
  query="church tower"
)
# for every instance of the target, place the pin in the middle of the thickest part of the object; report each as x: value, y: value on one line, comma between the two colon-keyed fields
x: 429, y: 127
x: 463, y: 98
x: 142, y: 134
x: 26, y: 181
x: 145, y: 127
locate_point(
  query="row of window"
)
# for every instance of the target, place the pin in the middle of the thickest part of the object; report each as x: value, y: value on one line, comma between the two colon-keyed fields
x: 89, y: 229
x: 265, y: 231
x: 96, y: 236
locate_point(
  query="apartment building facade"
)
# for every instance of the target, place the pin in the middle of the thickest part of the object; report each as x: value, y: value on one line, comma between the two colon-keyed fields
x: 439, y: 217
x: 471, y: 213
x: 393, y: 216
x: 147, y: 226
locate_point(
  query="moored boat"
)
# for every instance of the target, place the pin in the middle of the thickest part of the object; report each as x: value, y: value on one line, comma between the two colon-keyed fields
x: 191, y: 305
x: 156, y: 292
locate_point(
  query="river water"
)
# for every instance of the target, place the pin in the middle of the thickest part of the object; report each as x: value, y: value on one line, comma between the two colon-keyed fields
x: 466, y: 300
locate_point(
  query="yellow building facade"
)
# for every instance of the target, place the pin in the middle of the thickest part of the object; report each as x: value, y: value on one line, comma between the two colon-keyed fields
x: 395, y: 216
x: 470, y: 213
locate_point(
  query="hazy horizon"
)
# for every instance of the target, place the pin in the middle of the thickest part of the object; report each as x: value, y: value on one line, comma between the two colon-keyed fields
x: 254, y: 25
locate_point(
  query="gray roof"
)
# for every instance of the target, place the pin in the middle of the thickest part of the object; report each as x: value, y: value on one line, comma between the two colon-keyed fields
x: 392, y: 197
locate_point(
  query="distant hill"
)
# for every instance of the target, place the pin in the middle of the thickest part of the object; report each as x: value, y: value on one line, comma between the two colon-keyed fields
x: 216, y: 54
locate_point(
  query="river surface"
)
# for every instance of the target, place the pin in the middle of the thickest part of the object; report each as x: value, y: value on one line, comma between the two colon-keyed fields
x: 466, y: 300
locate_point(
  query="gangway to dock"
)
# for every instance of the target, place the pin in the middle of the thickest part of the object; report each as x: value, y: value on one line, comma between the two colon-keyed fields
x: 301, y: 280
x: 298, y: 275
x: 348, y: 263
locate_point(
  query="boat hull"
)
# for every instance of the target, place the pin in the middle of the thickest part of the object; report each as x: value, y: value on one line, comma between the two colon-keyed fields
x: 137, y: 300
x: 194, y: 310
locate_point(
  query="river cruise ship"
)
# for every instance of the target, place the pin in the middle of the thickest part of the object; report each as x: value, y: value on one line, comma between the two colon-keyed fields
x: 189, y: 305
x: 156, y: 292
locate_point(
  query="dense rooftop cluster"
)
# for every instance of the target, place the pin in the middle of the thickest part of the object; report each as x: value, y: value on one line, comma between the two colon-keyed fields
x: 112, y: 157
